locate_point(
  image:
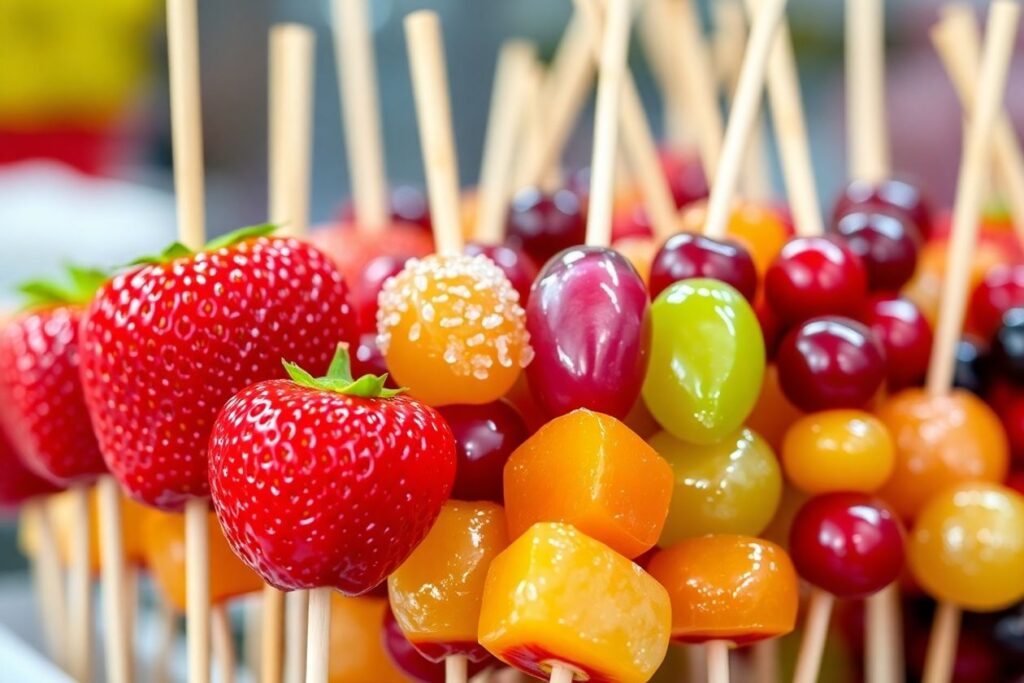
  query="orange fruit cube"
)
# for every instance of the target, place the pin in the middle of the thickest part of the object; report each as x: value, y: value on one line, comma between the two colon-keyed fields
x: 357, y: 650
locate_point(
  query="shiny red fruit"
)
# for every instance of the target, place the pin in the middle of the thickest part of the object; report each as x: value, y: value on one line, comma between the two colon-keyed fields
x: 589, y: 323
x: 42, y: 404
x: 518, y: 267
x: 544, y: 224
x: 367, y: 287
x: 166, y: 344
x: 328, y: 481
x: 830, y: 362
x: 687, y: 255
x: 414, y: 665
x: 848, y: 544
x: 18, y: 483
x: 632, y: 221
x: 891, y: 192
x: 815, y: 276
x: 409, y: 208
x: 905, y: 335
x: 1000, y: 290
x: 351, y: 249
x: 485, y: 435
x: 886, y: 242
x: 685, y: 175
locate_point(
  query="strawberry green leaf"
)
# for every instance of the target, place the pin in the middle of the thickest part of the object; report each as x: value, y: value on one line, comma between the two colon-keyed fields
x: 77, y: 288
x: 339, y: 378
x: 173, y: 251
x: 241, y: 235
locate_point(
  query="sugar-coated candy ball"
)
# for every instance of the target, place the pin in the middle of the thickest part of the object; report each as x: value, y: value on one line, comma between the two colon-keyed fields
x: 904, y: 333
x: 815, y: 276
x: 967, y: 546
x: 1007, y: 353
x: 847, y: 544
x: 894, y: 193
x: 589, y: 324
x: 686, y: 255
x: 830, y: 362
x: 544, y: 224
x: 1000, y: 290
x: 940, y: 439
x: 707, y: 360
x: 728, y: 587
x: 838, y: 450
x: 730, y: 487
x: 886, y: 242
x: 451, y: 330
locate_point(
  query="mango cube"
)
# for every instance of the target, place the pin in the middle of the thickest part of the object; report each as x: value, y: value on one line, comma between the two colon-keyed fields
x: 556, y: 596
x: 590, y: 470
x: 436, y: 593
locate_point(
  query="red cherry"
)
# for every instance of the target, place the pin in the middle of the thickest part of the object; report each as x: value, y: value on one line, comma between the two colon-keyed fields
x: 886, y: 241
x: 367, y: 287
x: 687, y: 255
x: 632, y: 222
x: 368, y: 360
x: 544, y: 224
x: 892, y: 192
x: 815, y: 276
x: 685, y: 176
x: 830, y: 362
x: 485, y: 435
x: 849, y: 544
x: 904, y: 333
x: 408, y: 659
x: 1001, y: 290
x: 518, y: 267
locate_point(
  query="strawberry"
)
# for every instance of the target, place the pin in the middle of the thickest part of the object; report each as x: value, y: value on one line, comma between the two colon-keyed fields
x: 18, y: 483
x: 330, y: 481
x: 42, y: 406
x: 165, y: 344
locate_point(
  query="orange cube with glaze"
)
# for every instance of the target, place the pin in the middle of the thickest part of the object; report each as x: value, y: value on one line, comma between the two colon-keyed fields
x: 724, y: 587
x: 590, y: 470
x: 556, y: 596
x: 436, y: 593
x: 357, y: 651
x: 165, y: 555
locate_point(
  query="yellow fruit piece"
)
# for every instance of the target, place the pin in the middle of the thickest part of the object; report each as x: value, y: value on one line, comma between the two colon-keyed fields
x: 357, y: 651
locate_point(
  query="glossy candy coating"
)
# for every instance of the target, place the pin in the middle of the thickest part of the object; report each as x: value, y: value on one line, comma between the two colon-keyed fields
x: 686, y: 255
x: 1000, y: 290
x: 815, y: 276
x: 707, y: 360
x: 967, y: 546
x: 830, y: 362
x: 838, y: 450
x: 557, y: 595
x: 42, y: 404
x: 614, y: 487
x: 758, y: 228
x: 590, y: 330
x: 726, y: 587
x: 894, y: 193
x: 730, y: 487
x: 940, y: 440
x: 887, y: 244
x: 544, y: 224
x: 366, y: 288
x: 847, y: 544
x: 518, y: 267
x: 435, y: 594
x: 485, y: 436
x: 452, y: 331
x: 408, y: 660
x: 905, y: 335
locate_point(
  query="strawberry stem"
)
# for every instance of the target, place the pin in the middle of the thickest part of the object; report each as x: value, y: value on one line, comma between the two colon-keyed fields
x: 78, y: 287
x: 177, y: 250
x: 339, y: 378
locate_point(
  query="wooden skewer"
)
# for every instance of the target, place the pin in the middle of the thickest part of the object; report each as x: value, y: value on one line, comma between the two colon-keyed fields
x: 942, y: 644
x: 508, y: 113
x: 296, y: 635
x: 271, y: 635
x: 867, y: 142
x: 744, y: 113
x: 252, y: 628
x: 883, y: 634
x: 223, y: 643
x: 455, y: 669
x: 197, y: 589
x: 318, y: 653
x: 609, y: 98
x: 765, y: 665
x: 812, y: 647
x: 48, y: 579
x: 80, y: 616
x: 658, y: 38
x: 730, y: 40
x: 357, y: 77
x: 957, y: 40
x: 791, y: 131
x: 433, y: 113
x: 113, y: 575
x: 717, y: 661
x: 694, y: 69
x: 637, y: 139
x: 561, y: 674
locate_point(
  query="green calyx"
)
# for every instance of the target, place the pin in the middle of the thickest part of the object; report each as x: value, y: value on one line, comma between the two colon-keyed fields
x: 78, y: 287
x: 178, y: 250
x: 339, y: 378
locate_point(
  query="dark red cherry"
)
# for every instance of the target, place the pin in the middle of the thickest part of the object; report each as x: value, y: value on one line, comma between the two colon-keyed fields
x: 367, y: 287
x: 485, y: 435
x: 814, y: 276
x: 905, y: 335
x: 830, y: 362
x: 368, y: 360
x: 685, y: 176
x: 1000, y: 290
x: 887, y: 243
x: 544, y: 224
x: 848, y: 544
x: 688, y: 254
x: 518, y: 267
x: 406, y: 658
x: 893, y: 192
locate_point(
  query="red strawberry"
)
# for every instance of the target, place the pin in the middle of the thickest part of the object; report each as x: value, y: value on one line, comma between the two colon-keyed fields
x: 166, y: 344
x: 42, y: 406
x: 328, y: 482
x: 18, y: 482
